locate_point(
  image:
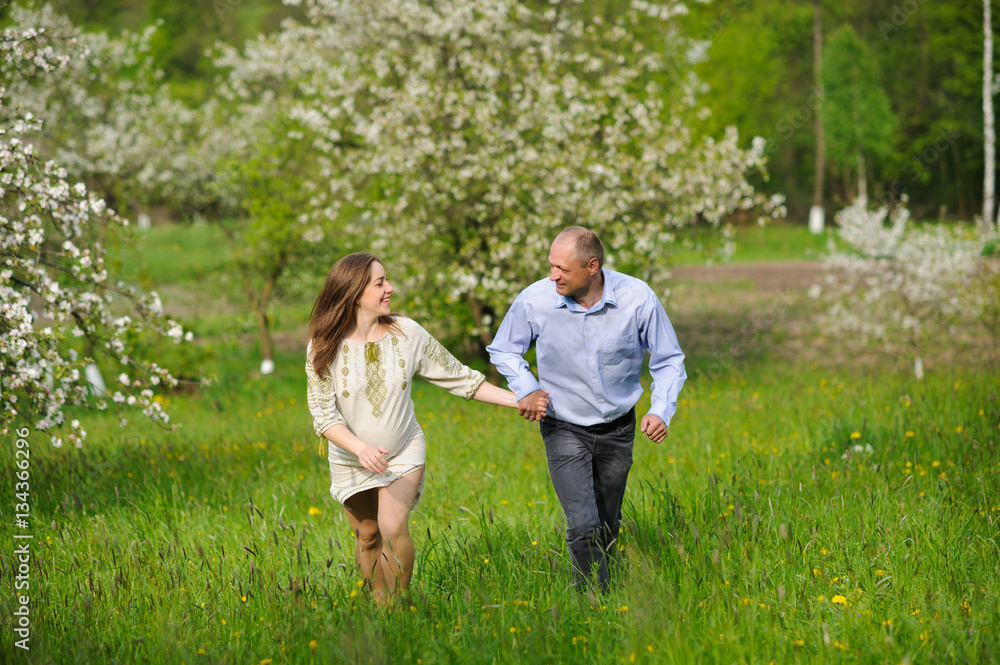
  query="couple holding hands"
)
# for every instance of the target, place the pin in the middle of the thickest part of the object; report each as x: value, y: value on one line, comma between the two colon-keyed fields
x: 591, y: 326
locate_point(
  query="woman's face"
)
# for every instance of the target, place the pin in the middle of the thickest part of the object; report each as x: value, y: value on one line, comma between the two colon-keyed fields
x: 374, y: 300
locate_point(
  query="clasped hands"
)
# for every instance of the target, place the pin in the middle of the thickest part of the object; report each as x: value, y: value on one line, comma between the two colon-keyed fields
x: 532, y: 407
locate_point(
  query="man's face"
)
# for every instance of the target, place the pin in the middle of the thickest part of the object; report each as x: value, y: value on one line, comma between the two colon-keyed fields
x: 572, y: 279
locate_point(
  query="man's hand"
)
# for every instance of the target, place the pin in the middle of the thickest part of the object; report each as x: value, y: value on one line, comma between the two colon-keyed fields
x: 533, y: 405
x: 653, y: 427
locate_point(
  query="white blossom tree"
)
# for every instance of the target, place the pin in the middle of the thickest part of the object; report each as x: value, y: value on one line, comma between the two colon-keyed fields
x: 901, y: 287
x: 59, y: 309
x: 458, y: 137
x: 108, y: 117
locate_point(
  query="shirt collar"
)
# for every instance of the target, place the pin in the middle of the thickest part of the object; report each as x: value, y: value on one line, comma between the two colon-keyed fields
x: 607, y: 297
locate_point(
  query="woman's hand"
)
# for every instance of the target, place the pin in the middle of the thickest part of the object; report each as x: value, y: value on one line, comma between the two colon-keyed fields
x: 373, y: 458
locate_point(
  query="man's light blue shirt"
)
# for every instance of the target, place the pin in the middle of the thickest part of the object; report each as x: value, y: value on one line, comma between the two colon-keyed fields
x: 590, y: 360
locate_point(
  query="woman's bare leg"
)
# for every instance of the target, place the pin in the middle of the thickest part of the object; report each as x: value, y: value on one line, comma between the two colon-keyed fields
x: 362, y: 513
x: 397, y: 556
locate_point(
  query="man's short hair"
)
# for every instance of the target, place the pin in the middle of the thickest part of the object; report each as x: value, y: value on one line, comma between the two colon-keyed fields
x: 586, y: 244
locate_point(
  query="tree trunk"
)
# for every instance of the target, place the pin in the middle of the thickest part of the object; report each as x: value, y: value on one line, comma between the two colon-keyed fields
x: 989, y: 132
x: 862, y: 181
x: 266, y: 343
x: 816, y: 214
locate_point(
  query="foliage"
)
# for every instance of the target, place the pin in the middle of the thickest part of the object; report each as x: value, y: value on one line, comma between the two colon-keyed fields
x: 794, y: 515
x: 58, y: 305
x: 900, y: 286
x: 271, y: 187
x: 109, y: 119
x: 857, y: 115
x: 459, y: 137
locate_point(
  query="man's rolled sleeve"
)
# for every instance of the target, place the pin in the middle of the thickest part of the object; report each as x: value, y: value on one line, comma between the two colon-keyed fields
x: 511, y: 342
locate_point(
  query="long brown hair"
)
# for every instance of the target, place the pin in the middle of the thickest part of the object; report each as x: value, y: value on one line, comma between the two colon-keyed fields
x: 335, y: 311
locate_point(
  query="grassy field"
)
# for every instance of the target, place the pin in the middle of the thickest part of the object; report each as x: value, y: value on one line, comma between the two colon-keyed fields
x: 797, y: 513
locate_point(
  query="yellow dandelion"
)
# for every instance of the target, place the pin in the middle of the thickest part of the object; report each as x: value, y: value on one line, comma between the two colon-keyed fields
x: 799, y: 643
x: 313, y: 510
x: 513, y: 629
x: 623, y: 608
x: 909, y: 434
x: 202, y: 652
x: 266, y: 661
x: 313, y: 644
x: 649, y: 648
x: 855, y: 435
x: 839, y: 600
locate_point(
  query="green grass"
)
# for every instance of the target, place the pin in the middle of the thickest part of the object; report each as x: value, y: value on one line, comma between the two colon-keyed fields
x: 754, y: 534
x: 748, y: 536
x: 774, y: 242
x: 779, y: 242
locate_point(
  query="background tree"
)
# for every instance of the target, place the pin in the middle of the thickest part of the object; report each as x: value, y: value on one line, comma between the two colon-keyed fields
x: 857, y: 116
x: 108, y: 117
x: 901, y: 287
x: 267, y: 191
x: 59, y: 309
x: 989, y: 131
x: 459, y: 137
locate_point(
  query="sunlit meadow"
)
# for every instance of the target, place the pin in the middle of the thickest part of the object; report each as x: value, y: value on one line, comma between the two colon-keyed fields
x: 796, y: 514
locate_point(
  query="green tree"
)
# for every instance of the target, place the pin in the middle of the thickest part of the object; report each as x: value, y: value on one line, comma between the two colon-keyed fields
x: 857, y: 115
x: 267, y: 187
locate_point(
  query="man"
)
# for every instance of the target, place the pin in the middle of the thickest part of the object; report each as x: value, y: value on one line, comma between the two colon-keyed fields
x: 591, y: 327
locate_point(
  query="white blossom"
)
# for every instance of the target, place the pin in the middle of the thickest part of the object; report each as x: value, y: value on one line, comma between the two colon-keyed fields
x: 47, y: 249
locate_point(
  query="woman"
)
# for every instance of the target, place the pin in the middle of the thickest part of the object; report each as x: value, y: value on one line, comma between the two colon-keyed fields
x: 360, y: 365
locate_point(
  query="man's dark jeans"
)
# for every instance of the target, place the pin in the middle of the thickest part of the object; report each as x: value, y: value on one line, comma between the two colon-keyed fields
x: 589, y: 468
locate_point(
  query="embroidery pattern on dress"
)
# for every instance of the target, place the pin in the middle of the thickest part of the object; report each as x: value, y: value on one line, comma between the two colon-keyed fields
x: 376, y: 390
x: 449, y: 363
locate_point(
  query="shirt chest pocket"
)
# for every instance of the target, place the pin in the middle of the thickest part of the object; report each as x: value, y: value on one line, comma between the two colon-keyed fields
x: 621, y: 355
